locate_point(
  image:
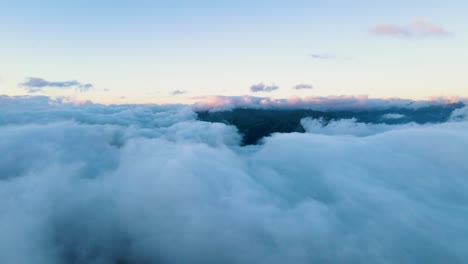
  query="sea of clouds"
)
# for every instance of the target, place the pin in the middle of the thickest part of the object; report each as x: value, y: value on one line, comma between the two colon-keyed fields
x: 151, y: 184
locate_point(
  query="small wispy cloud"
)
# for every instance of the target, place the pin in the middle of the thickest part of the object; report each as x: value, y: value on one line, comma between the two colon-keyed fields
x: 393, y: 116
x: 321, y: 56
x: 417, y: 29
x: 34, y: 85
x: 303, y: 86
x: 261, y: 87
x: 178, y: 92
x: 84, y: 87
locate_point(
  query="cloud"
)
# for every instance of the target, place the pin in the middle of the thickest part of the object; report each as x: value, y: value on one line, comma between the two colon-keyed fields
x: 322, y: 56
x: 84, y: 87
x: 34, y: 85
x: 393, y: 116
x: 321, y: 103
x: 261, y: 87
x: 460, y: 114
x: 349, y: 127
x: 417, y: 29
x: 303, y: 87
x: 146, y: 183
x: 178, y: 92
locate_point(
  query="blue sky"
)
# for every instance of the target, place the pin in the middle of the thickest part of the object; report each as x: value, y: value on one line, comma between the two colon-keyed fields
x: 169, y: 51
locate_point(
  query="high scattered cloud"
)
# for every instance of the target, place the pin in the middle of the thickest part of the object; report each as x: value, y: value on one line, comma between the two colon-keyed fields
x: 34, y: 85
x: 144, y: 183
x: 261, y: 87
x: 303, y: 87
x: 417, y: 29
x: 321, y: 56
x: 84, y: 87
x: 178, y: 92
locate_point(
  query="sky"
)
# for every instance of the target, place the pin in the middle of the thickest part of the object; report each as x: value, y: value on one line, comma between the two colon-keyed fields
x: 174, y: 51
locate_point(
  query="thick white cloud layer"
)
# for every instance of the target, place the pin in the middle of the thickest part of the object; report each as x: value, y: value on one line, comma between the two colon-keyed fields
x: 150, y: 184
x: 348, y: 127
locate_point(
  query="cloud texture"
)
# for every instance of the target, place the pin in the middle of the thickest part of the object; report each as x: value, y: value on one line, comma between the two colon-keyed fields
x: 151, y: 184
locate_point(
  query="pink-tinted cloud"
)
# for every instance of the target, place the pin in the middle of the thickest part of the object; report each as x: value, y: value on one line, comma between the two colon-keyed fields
x: 418, y: 28
x: 327, y: 103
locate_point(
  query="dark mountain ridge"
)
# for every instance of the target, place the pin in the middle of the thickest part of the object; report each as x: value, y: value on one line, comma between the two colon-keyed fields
x: 254, y: 124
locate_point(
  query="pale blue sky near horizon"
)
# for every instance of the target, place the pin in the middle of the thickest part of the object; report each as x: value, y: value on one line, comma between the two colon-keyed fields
x: 143, y: 51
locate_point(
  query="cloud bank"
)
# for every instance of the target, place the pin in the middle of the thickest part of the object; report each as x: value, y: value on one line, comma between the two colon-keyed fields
x: 417, y: 29
x: 34, y: 85
x: 151, y: 184
x: 321, y: 103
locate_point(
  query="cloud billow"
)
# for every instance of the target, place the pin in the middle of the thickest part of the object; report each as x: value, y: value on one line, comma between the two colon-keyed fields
x: 35, y: 84
x: 417, y: 29
x: 147, y: 184
x: 261, y: 87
